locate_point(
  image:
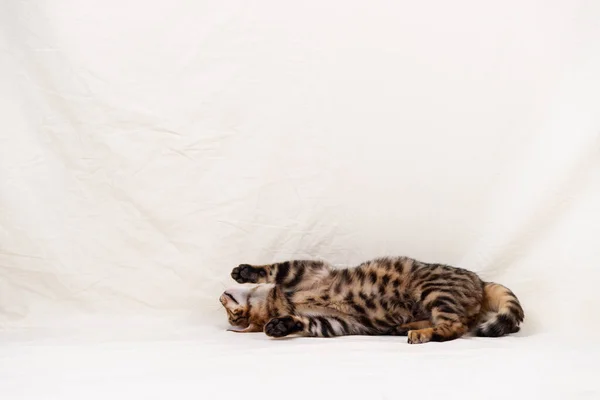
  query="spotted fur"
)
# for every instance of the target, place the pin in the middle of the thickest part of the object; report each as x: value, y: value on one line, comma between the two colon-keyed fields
x: 385, y: 296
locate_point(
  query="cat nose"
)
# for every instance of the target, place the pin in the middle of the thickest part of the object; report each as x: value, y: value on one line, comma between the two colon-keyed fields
x: 226, y: 297
x: 230, y: 296
x: 223, y: 298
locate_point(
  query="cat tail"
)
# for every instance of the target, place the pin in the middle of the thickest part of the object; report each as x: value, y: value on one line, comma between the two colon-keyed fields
x: 501, y: 312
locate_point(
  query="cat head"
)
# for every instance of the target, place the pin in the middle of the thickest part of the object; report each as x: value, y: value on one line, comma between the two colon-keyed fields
x: 246, y: 306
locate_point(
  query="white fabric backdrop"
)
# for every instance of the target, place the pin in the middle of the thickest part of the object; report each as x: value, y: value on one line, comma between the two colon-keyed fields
x: 148, y: 147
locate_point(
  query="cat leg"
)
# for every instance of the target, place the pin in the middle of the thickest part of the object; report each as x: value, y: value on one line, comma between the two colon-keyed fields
x: 288, y: 274
x: 446, y: 325
x: 314, y: 326
x: 403, y: 329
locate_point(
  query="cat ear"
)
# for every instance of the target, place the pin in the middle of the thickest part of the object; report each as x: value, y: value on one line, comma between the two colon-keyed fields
x: 250, y: 328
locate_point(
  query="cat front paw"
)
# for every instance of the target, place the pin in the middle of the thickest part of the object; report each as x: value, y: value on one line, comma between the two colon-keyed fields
x: 283, y: 326
x: 420, y: 336
x: 246, y: 273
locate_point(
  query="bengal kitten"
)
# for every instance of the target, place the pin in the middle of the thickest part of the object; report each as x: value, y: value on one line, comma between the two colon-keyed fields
x: 385, y: 296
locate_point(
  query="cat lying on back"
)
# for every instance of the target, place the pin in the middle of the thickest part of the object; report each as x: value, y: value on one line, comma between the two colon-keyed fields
x: 386, y: 296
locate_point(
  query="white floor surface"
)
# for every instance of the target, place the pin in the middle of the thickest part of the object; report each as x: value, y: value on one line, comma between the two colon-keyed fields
x: 206, y: 362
